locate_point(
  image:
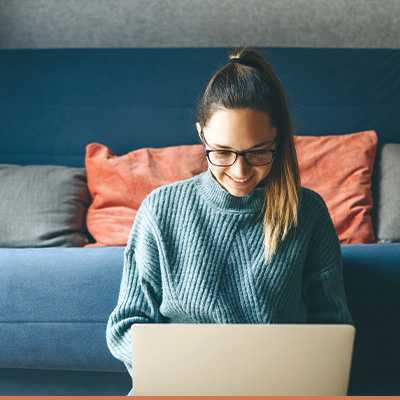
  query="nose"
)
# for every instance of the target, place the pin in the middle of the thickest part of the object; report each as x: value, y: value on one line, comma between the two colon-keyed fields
x: 240, y: 168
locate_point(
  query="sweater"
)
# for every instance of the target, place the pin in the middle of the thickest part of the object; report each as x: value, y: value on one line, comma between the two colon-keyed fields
x: 195, y: 254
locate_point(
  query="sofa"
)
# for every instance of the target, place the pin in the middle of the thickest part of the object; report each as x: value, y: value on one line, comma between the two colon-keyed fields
x: 58, y: 283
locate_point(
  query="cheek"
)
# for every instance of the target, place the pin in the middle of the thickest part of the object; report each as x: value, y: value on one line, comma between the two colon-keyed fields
x: 217, y: 171
x: 268, y: 169
x: 219, y: 174
x: 265, y: 171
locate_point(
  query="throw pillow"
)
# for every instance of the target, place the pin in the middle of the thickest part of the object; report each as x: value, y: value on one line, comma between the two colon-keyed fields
x: 42, y: 206
x: 387, y: 196
x: 118, y: 184
x: 339, y: 168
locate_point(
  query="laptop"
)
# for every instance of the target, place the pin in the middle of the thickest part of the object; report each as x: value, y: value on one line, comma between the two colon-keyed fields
x: 241, y: 359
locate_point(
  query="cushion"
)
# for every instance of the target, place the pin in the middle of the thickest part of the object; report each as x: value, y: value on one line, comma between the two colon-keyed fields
x: 118, y: 184
x: 387, y: 196
x: 42, y: 206
x: 339, y: 168
x: 54, y: 307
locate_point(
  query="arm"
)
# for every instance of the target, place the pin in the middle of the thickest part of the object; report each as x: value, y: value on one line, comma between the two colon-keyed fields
x: 140, y: 292
x: 326, y: 297
x: 323, y: 285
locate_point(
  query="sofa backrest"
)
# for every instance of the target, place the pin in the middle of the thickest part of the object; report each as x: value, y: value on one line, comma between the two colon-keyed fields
x: 54, y: 102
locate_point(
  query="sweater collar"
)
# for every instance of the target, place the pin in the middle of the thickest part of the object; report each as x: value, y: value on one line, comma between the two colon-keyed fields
x: 220, y: 198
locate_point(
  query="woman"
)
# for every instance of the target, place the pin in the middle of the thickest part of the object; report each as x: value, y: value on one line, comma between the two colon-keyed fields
x: 241, y: 242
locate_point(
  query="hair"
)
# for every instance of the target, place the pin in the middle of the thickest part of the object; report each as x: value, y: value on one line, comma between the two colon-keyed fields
x: 250, y: 83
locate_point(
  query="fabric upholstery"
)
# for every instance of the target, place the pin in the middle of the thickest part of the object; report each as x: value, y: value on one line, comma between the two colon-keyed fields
x: 54, y: 307
x: 118, y: 185
x: 59, y: 321
x: 135, y: 98
x: 42, y: 206
x: 52, y: 382
x: 371, y: 275
x: 339, y: 168
x: 387, y: 180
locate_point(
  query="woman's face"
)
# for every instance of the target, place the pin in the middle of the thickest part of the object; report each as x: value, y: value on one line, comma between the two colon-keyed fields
x: 239, y: 130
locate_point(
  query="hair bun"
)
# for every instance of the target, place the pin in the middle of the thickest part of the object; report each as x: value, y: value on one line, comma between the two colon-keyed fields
x: 237, y: 60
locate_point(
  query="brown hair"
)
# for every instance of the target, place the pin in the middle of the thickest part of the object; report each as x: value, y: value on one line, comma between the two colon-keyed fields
x: 250, y: 83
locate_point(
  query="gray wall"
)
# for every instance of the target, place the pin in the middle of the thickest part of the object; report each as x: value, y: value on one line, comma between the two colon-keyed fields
x: 199, y: 23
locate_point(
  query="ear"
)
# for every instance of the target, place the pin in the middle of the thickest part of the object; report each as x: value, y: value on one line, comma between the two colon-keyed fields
x: 198, y: 126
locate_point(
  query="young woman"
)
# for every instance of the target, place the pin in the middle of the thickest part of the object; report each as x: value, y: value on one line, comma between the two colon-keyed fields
x: 242, y: 242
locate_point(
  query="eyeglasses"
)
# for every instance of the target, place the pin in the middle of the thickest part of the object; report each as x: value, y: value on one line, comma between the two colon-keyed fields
x: 225, y: 158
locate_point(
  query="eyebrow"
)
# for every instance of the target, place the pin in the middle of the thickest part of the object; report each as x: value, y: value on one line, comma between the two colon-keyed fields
x: 254, y: 147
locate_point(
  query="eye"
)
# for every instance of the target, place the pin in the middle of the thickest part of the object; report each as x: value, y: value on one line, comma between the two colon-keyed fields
x: 223, y: 152
x: 257, y: 152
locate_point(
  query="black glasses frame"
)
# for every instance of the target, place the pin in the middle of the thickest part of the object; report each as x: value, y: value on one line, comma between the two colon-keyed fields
x: 243, y: 153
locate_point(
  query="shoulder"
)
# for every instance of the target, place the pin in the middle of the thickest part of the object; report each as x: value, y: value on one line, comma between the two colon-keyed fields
x: 310, y: 198
x: 324, y: 245
x: 160, y: 205
x: 314, y: 213
x: 313, y: 207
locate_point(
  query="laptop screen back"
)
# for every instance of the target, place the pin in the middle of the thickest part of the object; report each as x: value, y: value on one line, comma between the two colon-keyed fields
x: 241, y: 360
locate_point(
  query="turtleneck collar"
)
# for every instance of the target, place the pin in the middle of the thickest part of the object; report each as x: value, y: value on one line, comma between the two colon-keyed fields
x: 220, y: 198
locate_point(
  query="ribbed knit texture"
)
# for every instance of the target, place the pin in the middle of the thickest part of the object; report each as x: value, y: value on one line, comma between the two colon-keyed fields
x: 196, y: 255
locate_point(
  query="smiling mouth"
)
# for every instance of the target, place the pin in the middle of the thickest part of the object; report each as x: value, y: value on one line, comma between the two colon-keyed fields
x: 239, y: 180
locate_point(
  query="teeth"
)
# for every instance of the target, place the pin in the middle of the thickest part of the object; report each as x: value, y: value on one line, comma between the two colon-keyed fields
x: 240, y: 180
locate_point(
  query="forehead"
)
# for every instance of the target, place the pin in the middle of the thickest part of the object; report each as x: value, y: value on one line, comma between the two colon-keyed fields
x: 239, y: 129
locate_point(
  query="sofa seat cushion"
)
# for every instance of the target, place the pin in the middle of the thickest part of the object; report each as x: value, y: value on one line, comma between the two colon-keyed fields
x: 55, y: 304
x: 371, y: 277
x: 54, y: 307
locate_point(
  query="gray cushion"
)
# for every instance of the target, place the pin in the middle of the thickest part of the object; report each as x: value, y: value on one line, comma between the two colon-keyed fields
x: 42, y: 206
x: 387, y: 193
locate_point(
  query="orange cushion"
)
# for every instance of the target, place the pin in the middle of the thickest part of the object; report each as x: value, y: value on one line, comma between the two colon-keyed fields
x: 118, y: 184
x: 339, y: 168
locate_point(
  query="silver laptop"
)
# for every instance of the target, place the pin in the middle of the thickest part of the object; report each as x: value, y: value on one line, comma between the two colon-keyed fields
x: 241, y: 360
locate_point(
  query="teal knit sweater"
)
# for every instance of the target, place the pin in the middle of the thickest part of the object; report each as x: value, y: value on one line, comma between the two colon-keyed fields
x: 195, y: 255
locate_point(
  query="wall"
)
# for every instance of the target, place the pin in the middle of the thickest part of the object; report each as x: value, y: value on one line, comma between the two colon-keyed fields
x: 200, y: 23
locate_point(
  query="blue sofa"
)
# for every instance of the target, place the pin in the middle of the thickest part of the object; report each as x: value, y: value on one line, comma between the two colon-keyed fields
x: 55, y: 301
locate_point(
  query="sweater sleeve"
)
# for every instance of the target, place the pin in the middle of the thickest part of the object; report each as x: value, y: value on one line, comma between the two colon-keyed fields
x: 140, y: 291
x: 323, y: 285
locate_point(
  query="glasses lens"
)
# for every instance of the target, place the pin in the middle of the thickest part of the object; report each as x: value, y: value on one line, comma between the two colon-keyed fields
x: 221, y: 157
x: 225, y: 157
x: 259, y: 157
